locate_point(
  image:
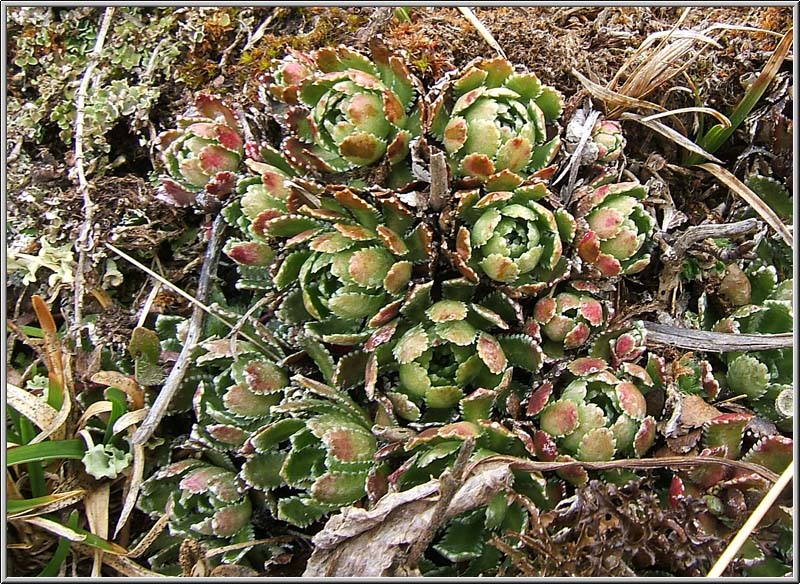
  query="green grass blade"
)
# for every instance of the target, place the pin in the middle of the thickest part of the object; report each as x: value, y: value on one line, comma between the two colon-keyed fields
x: 119, y: 406
x: 35, y: 470
x: 718, y: 134
x: 53, y: 566
x: 49, y: 450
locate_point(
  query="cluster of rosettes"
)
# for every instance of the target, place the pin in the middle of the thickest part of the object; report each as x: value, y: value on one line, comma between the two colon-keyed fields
x: 404, y: 329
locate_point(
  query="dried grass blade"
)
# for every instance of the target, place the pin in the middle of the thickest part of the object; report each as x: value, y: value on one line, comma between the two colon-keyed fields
x: 100, y: 407
x: 53, y: 354
x: 121, y: 564
x: 752, y: 199
x: 485, y: 33
x: 150, y: 537
x: 752, y: 522
x: 668, y: 132
x: 612, y: 97
x: 137, y: 473
x: 723, y: 119
x: 50, y: 504
x: 96, y: 505
x: 129, y: 419
x: 31, y: 406
x: 124, y: 382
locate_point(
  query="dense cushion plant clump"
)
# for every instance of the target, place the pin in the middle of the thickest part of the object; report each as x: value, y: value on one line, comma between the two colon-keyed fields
x: 484, y: 315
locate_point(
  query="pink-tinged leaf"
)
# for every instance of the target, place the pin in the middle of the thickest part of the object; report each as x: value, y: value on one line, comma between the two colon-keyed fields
x: 348, y: 445
x: 727, y: 431
x: 589, y: 247
x: 477, y: 165
x: 463, y: 244
x: 300, y: 238
x: 397, y: 277
x: 622, y: 246
x: 173, y: 193
x: 368, y: 267
x: 362, y: 148
x: 586, y: 366
x: 214, y: 159
x: 261, y: 223
x: 592, y: 311
x: 774, y: 452
x: 164, y: 139
x: 364, y: 79
x: 631, y: 400
x: 240, y: 401
x: 560, y: 418
x: 386, y: 314
x: 505, y: 180
x: 638, y: 372
x: 597, y: 444
x: 708, y: 475
x: 459, y: 430
x: 544, y: 446
x: 198, y: 481
x: 228, y: 520
x: 575, y: 475
x: 221, y: 184
x: 608, y: 265
x: 491, y: 353
x: 371, y: 376
x: 500, y: 268
x: 398, y: 148
x: 392, y: 241
x: 468, y: 99
x: 355, y: 232
x: 212, y: 107
x: 515, y: 154
x: 494, y: 197
x: 498, y: 70
x: 229, y: 138
x: 263, y: 377
x: 558, y: 328
x: 455, y: 135
x: 364, y: 111
x: 250, y: 253
x: 411, y: 345
x: 676, y: 491
x: 623, y: 345
x: 330, y: 243
x: 539, y: 399
x: 544, y: 310
x: 192, y: 171
x: 577, y: 336
x: 377, y: 485
x: 532, y: 329
x: 447, y: 310
x: 339, y: 488
x: 524, y: 437
x: 605, y: 222
x: 227, y: 434
x: 381, y: 336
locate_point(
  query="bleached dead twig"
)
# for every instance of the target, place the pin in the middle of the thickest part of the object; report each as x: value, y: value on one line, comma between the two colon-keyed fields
x: 482, y: 30
x: 85, y: 240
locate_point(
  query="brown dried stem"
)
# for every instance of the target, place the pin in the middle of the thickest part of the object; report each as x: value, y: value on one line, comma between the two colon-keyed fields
x: 696, y: 340
x: 449, y: 482
x: 85, y: 240
x: 175, y: 377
